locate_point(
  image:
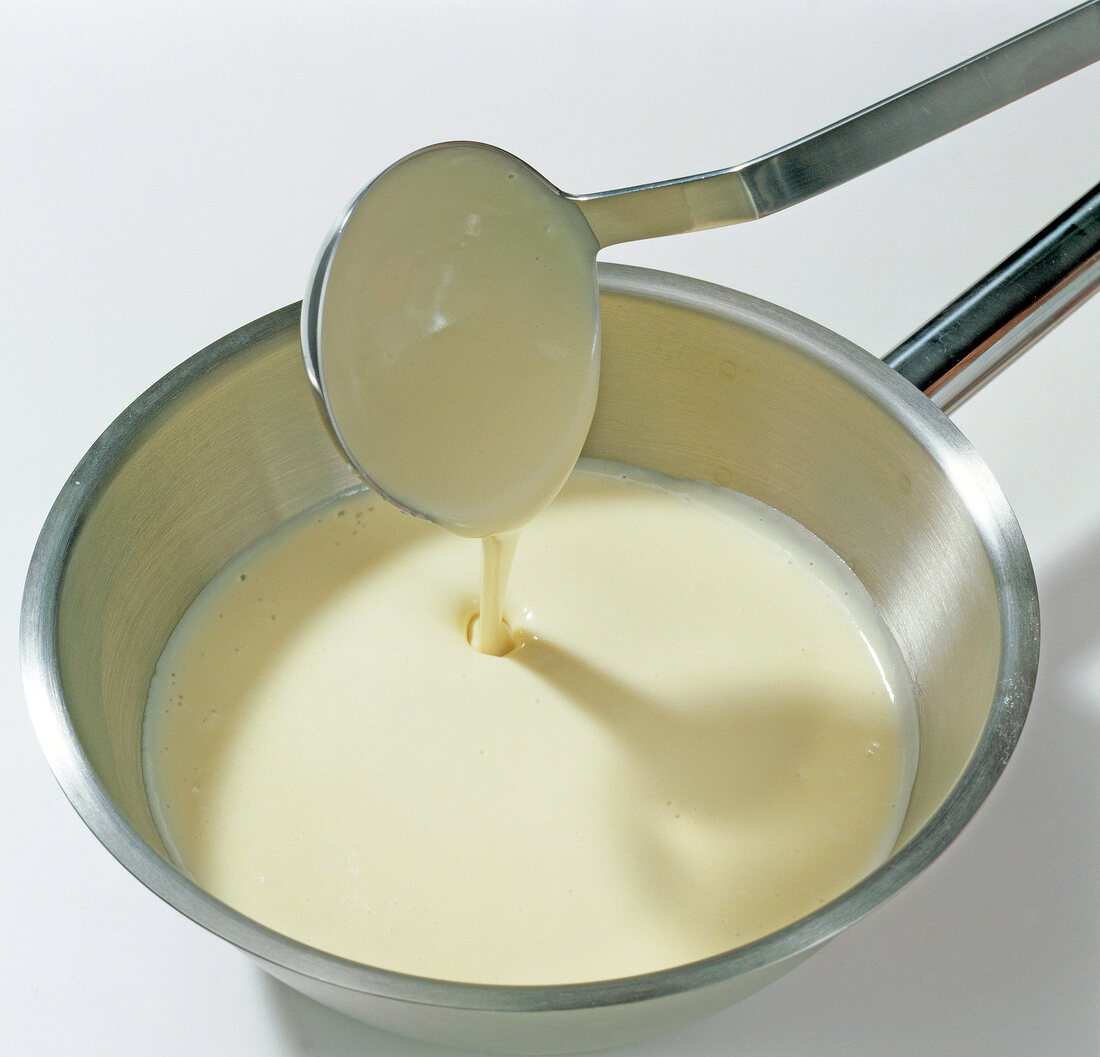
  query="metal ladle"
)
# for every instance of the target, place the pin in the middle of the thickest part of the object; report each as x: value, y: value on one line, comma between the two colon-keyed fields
x: 745, y: 192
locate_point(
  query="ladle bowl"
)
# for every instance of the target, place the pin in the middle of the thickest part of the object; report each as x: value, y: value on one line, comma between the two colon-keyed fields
x: 697, y: 381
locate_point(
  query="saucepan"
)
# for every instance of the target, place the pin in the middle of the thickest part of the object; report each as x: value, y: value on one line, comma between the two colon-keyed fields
x: 697, y: 381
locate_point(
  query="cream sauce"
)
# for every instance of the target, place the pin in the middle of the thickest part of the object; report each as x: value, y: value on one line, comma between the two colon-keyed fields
x: 703, y: 733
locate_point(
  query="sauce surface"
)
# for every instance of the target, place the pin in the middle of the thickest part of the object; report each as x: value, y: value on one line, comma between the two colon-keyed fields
x: 703, y: 734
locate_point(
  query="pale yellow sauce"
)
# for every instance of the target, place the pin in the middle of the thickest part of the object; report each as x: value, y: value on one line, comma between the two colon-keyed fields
x: 703, y: 734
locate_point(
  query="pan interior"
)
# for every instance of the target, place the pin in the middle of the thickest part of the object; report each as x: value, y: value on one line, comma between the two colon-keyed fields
x: 696, y: 382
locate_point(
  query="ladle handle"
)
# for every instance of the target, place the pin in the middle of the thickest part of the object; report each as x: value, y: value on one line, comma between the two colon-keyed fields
x: 855, y: 145
x: 1001, y: 316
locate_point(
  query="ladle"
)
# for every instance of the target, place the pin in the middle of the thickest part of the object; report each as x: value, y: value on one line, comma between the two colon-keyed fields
x: 379, y: 292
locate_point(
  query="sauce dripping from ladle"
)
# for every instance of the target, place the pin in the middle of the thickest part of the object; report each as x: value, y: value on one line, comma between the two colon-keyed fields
x: 459, y: 333
x: 451, y: 327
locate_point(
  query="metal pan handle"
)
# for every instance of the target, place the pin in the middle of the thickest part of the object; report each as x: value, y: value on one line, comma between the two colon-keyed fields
x: 1001, y: 316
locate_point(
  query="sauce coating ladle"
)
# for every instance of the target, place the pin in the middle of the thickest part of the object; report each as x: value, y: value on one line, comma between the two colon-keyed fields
x: 352, y: 372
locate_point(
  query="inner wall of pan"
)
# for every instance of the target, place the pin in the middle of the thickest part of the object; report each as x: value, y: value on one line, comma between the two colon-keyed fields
x: 239, y: 449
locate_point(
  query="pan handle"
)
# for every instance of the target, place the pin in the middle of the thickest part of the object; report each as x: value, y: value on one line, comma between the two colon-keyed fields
x: 1001, y: 316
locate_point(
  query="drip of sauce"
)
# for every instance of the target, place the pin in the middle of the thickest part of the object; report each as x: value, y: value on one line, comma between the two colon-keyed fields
x: 702, y: 733
x: 489, y: 631
x: 460, y: 337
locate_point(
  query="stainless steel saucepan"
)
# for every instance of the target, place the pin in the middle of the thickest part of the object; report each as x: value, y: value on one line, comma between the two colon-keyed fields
x: 697, y: 381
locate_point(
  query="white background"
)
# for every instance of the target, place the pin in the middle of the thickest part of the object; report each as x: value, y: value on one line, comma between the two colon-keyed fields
x: 169, y: 171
